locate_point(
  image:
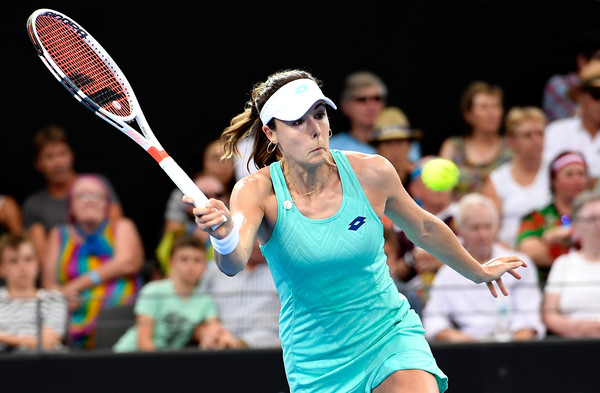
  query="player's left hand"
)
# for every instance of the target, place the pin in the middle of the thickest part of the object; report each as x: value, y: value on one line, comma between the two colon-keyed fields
x: 495, y: 269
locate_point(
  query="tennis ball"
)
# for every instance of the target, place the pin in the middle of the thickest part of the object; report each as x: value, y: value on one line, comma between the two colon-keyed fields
x: 440, y: 174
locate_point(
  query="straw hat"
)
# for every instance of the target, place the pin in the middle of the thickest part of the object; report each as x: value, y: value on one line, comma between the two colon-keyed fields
x: 588, y: 76
x: 392, y: 124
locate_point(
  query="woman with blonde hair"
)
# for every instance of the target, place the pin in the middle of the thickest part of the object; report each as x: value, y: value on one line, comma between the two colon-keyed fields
x: 521, y: 185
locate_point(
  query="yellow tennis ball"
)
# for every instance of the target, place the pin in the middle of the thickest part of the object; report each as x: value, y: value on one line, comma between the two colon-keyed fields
x: 440, y: 174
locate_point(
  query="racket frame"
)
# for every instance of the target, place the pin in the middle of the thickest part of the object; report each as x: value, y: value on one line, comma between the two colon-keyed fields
x: 147, y: 140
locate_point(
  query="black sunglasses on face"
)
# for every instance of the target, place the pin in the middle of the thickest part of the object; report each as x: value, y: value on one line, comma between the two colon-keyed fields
x: 594, y: 92
x: 363, y: 99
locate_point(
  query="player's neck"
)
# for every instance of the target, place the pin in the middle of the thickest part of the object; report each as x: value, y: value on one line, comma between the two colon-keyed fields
x: 302, y: 180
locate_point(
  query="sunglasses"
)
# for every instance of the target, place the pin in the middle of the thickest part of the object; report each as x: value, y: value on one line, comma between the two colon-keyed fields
x: 594, y: 92
x: 364, y: 99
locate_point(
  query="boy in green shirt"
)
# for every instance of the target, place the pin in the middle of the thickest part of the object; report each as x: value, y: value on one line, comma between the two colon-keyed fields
x: 172, y: 311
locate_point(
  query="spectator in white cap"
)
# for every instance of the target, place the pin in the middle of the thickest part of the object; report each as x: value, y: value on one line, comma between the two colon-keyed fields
x: 317, y: 214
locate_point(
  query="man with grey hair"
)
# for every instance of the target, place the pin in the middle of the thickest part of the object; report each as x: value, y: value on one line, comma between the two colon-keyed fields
x: 459, y: 311
x: 363, y: 98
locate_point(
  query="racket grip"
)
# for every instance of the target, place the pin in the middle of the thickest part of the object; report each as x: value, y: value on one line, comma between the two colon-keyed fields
x: 184, y: 183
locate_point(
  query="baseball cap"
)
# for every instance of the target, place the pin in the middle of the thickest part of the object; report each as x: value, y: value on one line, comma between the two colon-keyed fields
x: 292, y: 101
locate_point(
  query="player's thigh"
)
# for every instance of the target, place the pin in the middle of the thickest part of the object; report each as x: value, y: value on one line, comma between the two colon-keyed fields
x: 413, y: 381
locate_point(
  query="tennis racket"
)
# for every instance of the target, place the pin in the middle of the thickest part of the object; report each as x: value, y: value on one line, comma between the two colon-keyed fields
x: 87, y: 71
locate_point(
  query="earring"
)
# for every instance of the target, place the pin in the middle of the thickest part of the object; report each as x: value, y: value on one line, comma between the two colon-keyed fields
x: 330, y: 133
x: 274, y: 147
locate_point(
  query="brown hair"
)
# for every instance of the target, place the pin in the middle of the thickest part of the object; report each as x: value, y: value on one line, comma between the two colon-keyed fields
x: 248, y: 125
x: 474, y: 88
x: 12, y: 240
x: 181, y: 241
x: 46, y: 135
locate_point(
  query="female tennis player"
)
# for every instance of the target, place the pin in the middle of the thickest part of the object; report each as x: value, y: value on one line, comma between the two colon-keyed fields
x: 317, y: 214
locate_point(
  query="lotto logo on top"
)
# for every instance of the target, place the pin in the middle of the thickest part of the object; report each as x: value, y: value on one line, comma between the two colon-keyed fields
x: 301, y: 89
x: 356, y: 223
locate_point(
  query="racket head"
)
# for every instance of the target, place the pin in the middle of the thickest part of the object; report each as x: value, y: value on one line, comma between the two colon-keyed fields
x: 82, y: 66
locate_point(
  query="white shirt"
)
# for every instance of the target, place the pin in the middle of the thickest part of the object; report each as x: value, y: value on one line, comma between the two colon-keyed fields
x: 518, y: 200
x: 569, y: 134
x: 248, y: 304
x: 20, y: 316
x: 577, y: 281
x: 457, y: 302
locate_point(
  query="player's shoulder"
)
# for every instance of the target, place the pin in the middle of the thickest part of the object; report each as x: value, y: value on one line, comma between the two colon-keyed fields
x: 255, y: 184
x: 369, y: 166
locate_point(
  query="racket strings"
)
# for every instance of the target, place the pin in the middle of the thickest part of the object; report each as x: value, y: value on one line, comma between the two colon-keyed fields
x: 83, y: 65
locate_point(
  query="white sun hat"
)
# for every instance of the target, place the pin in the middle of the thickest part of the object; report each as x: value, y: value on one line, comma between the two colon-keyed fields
x: 292, y: 101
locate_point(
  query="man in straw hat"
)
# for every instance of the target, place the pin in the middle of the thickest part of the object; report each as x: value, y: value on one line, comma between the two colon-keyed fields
x: 393, y: 138
x: 580, y: 133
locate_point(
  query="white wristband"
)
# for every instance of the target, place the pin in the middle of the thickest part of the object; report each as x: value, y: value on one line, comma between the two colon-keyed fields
x: 230, y: 242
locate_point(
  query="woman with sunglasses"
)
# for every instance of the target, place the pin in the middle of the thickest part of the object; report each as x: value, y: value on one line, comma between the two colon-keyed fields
x: 317, y: 215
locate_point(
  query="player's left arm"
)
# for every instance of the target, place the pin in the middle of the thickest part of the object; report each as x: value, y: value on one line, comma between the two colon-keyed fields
x: 426, y: 230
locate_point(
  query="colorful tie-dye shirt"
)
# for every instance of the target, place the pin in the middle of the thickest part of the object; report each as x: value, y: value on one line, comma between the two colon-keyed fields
x: 78, y: 257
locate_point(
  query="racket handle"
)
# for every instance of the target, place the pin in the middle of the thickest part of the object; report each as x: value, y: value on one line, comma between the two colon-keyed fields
x: 184, y: 183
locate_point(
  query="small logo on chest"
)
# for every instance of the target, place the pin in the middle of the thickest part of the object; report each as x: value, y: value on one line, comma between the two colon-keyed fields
x: 357, y: 223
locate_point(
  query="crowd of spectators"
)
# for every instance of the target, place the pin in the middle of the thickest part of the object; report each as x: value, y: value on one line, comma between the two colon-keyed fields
x: 528, y: 186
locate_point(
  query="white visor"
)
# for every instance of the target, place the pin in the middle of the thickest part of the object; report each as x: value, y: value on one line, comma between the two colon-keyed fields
x: 292, y: 101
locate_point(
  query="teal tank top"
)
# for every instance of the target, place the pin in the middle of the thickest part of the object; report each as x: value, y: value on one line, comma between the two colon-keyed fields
x: 339, y: 305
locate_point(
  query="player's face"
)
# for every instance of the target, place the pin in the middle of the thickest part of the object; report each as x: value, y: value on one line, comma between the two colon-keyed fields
x: 188, y: 264
x: 478, y: 231
x: 89, y: 205
x: 305, y: 140
x: 55, y: 162
x: 19, y: 266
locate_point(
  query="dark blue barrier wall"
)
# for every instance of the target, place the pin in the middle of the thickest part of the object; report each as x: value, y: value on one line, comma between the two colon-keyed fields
x: 548, y: 366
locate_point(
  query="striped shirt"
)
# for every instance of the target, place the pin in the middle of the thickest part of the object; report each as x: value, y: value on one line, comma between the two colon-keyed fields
x: 20, y: 316
x: 248, y: 304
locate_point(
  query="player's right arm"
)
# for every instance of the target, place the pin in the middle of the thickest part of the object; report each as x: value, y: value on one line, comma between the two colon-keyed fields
x: 247, y: 203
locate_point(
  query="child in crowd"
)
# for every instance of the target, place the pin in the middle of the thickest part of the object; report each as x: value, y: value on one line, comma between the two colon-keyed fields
x: 21, y: 301
x: 173, y: 311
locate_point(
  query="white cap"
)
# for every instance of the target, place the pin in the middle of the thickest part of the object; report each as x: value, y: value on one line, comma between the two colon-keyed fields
x: 292, y: 101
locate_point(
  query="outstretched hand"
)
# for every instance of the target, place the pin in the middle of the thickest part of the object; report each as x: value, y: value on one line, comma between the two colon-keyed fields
x: 495, y: 269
